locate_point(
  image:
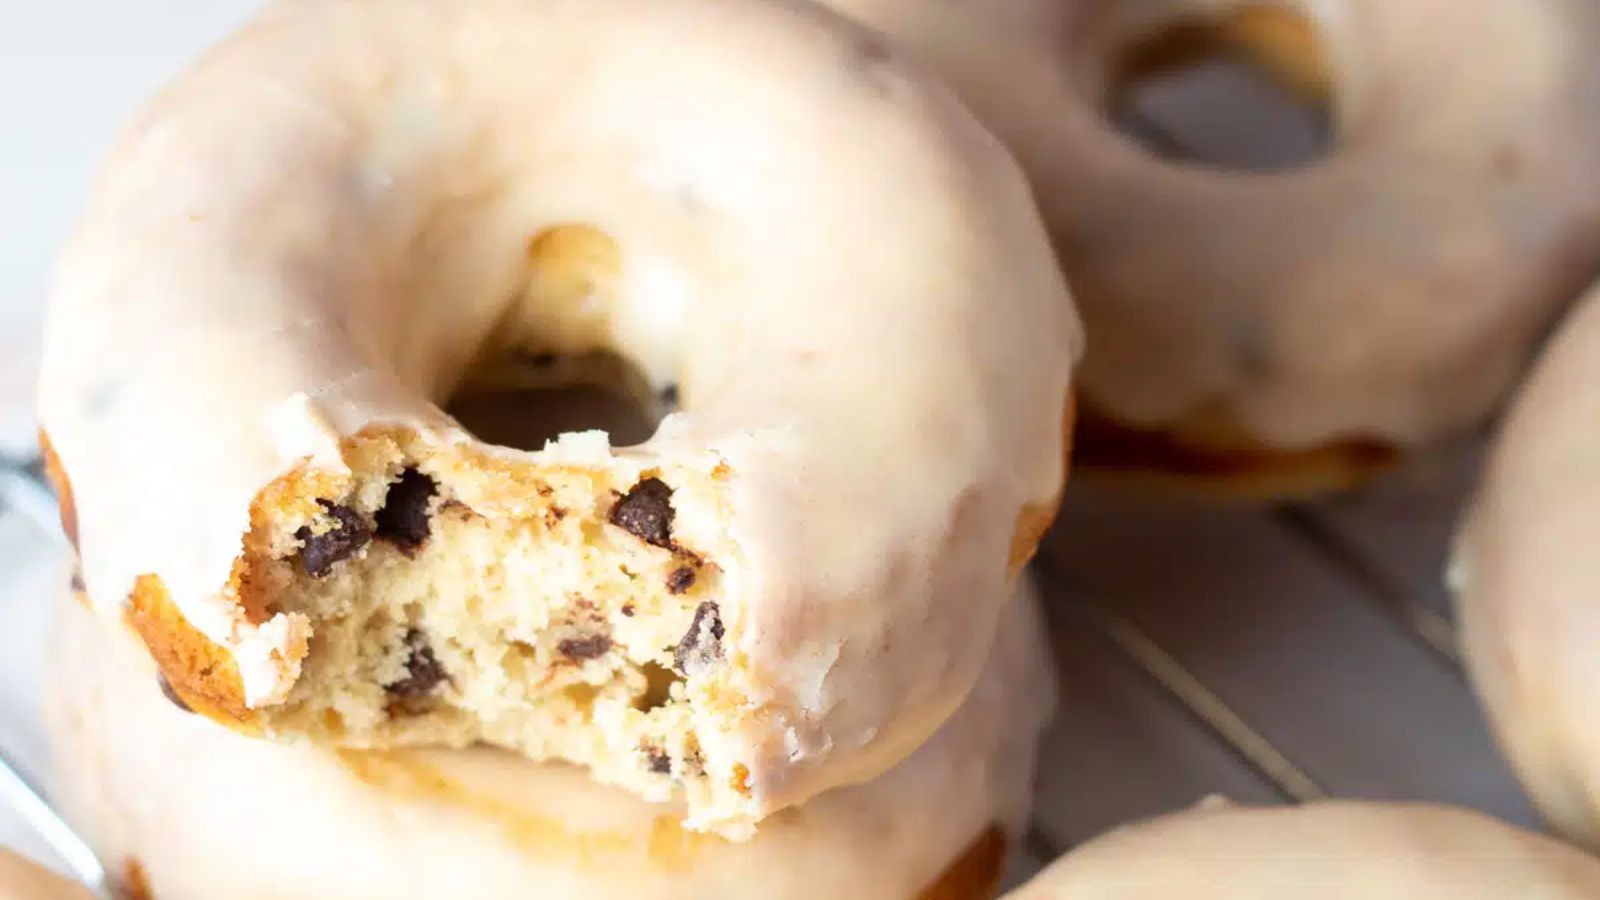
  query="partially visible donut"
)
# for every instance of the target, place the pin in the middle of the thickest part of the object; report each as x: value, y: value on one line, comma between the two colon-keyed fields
x: 1294, y: 330
x: 345, y: 213
x: 207, y: 814
x: 1527, y: 580
x: 23, y: 880
x: 1325, y: 851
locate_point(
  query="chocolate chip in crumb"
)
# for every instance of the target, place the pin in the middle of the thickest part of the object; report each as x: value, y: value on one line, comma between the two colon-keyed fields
x: 628, y: 610
x: 702, y: 643
x: 693, y: 763
x: 171, y: 695
x: 680, y: 579
x: 646, y: 512
x: 403, y: 519
x: 669, y: 397
x: 585, y: 647
x: 318, y: 552
x: 660, y: 761
x: 423, y: 671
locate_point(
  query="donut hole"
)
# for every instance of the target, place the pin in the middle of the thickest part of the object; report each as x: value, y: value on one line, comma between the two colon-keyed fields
x: 537, y: 379
x: 525, y: 418
x: 1250, y: 90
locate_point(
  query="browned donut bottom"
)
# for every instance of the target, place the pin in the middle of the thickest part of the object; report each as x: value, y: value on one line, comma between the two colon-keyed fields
x: 1210, y: 457
x: 976, y: 873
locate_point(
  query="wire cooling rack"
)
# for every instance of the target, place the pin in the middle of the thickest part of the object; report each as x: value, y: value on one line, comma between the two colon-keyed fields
x: 1272, y: 655
x: 23, y: 491
x: 1275, y: 655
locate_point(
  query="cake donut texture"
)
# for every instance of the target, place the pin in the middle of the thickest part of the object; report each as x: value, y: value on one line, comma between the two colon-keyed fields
x: 204, y: 813
x: 1325, y: 851
x: 1527, y: 581
x: 1293, y: 330
x: 354, y: 210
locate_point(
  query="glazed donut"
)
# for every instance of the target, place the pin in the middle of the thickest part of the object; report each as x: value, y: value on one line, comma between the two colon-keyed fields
x: 22, y: 880
x: 204, y: 813
x: 1296, y: 330
x: 1326, y: 851
x: 1526, y: 576
x: 356, y: 209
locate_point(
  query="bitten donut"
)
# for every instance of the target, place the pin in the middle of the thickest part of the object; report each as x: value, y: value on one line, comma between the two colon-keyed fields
x: 23, y: 880
x: 1295, y: 330
x: 1527, y: 580
x: 203, y: 813
x: 1326, y: 851
x: 356, y: 209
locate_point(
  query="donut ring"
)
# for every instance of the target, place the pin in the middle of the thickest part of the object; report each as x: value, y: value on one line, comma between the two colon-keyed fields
x: 203, y: 813
x: 1526, y: 579
x: 1324, y: 851
x: 1296, y: 330
x: 349, y: 211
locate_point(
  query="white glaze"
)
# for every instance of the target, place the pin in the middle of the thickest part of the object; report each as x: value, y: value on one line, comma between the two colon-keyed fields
x: 316, y: 228
x: 211, y: 814
x: 1325, y: 851
x: 1391, y: 291
x: 1527, y: 581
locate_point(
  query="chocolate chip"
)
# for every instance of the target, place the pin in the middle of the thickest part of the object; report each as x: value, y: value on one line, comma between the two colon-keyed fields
x: 318, y: 552
x: 660, y: 760
x: 693, y: 763
x: 680, y: 579
x: 170, y: 694
x: 627, y: 610
x: 646, y: 512
x: 585, y: 647
x: 702, y: 643
x: 543, y: 360
x: 403, y: 519
x: 669, y: 396
x: 423, y: 671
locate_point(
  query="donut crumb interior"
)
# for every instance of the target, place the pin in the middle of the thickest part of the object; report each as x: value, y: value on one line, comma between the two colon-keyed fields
x: 566, y: 611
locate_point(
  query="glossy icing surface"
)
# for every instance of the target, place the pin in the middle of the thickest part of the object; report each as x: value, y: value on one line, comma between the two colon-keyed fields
x: 1323, y: 851
x: 324, y: 224
x: 1390, y: 291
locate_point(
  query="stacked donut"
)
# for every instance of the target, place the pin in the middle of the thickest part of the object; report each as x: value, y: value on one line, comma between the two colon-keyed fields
x: 1264, y: 334
x: 330, y: 644
x: 781, y: 646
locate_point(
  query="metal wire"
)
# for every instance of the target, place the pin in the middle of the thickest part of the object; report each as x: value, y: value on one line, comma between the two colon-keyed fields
x: 1203, y: 705
x: 1433, y: 631
x: 23, y: 490
x: 1191, y: 697
x: 28, y: 801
